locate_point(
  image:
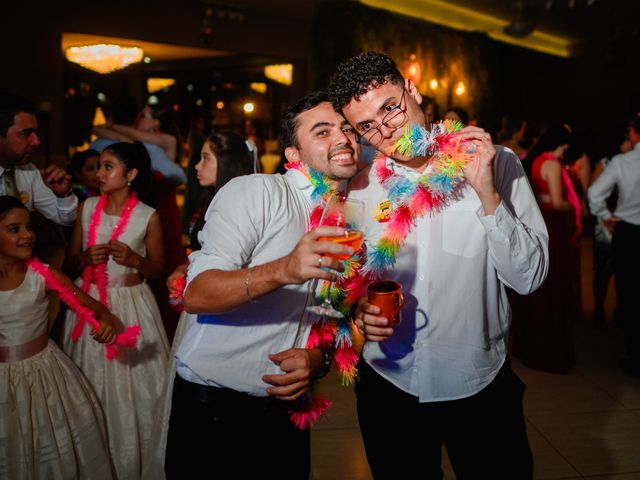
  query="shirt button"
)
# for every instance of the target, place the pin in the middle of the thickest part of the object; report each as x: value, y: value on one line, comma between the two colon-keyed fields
x: 421, y: 277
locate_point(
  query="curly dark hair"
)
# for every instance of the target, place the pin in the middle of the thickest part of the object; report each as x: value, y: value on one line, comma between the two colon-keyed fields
x: 359, y: 74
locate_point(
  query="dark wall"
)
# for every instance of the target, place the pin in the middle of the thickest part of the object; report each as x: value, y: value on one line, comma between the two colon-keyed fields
x: 595, y: 90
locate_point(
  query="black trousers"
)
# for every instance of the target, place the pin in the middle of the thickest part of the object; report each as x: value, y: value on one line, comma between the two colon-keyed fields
x: 626, y: 265
x: 214, y: 431
x: 485, y: 434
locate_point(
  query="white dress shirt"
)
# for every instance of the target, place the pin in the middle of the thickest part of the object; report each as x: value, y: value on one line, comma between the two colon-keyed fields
x: 252, y: 220
x: 452, y: 338
x: 622, y: 171
x: 35, y: 194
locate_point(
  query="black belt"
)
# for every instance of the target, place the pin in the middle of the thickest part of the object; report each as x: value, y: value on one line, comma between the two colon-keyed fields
x: 226, y: 397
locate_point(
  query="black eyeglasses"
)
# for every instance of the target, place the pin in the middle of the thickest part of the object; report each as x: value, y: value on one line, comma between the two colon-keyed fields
x: 396, y: 117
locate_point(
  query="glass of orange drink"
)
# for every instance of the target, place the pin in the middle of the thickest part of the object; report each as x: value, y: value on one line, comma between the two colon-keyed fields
x: 347, y: 213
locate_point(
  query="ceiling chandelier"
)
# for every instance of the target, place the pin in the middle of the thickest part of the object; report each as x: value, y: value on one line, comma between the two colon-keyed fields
x: 104, y: 58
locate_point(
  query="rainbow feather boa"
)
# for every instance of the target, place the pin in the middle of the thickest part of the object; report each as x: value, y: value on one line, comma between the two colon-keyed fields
x: 327, y: 333
x: 430, y: 193
x: 410, y: 200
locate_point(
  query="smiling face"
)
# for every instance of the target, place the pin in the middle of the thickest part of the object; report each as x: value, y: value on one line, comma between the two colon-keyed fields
x: 326, y: 143
x: 21, y: 140
x: 16, y: 234
x: 368, y: 111
x: 207, y: 167
x: 112, y: 175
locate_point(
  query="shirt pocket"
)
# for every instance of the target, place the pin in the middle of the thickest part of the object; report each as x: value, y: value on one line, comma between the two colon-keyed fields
x: 462, y: 232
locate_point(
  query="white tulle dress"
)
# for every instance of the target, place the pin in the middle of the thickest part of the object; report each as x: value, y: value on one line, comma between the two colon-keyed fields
x: 130, y: 385
x: 51, y: 423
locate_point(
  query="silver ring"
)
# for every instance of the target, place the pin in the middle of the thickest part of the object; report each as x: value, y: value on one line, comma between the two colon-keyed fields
x: 320, y: 261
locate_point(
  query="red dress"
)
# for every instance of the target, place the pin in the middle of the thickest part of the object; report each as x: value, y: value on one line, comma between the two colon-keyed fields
x: 542, y: 334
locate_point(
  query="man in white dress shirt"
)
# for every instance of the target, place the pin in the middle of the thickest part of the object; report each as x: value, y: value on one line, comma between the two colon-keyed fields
x: 442, y: 376
x: 48, y: 190
x: 243, y: 365
x: 623, y: 172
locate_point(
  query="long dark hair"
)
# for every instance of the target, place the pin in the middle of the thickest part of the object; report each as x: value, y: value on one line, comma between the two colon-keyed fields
x: 233, y: 160
x: 135, y: 155
x: 551, y: 138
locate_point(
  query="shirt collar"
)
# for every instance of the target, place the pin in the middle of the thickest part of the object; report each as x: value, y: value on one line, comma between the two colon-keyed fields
x: 403, y: 170
x: 300, y: 181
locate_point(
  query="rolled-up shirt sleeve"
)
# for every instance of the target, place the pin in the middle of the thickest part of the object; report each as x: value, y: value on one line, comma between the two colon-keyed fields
x: 67, y: 209
x: 233, y: 227
x: 62, y: 211
x: 517, y: 235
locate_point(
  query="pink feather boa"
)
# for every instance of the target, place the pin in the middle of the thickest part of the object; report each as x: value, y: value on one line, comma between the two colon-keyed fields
x: 98, y: 273
x: 128, y: 338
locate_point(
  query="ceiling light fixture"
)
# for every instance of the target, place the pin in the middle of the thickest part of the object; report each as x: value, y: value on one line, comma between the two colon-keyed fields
x: 280, y: 73
x: 104, y: 58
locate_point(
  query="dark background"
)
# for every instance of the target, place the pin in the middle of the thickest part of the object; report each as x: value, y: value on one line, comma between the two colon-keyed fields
x: 595, y: 89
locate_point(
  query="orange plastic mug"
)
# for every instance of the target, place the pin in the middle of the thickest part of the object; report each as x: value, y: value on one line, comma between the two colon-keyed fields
x: 387, y: 295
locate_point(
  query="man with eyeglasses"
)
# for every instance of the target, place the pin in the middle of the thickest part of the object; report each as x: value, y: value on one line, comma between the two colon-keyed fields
x: 442, y: 375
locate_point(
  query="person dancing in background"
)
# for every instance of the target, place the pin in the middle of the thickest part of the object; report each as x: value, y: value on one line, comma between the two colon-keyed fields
x: 543, y: 323
x: 602, y: 261
x: 117, y: 240
x: 623, y: 223
x: 51, y: 422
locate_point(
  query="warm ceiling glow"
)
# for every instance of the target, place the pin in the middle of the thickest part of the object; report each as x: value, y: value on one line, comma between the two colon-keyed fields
x: 103, y: 58
x: 433, y: 84
x: 280, y: 73
x: 157, y: 84
x: 219, y: 104
x: 460, y: 88
x: 259, y: 87
x: 461, y: 18
x: 248, y: 107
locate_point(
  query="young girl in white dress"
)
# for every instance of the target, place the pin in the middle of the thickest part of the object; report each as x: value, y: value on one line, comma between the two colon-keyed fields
x: 117, y: 240
x: 51, y: 423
